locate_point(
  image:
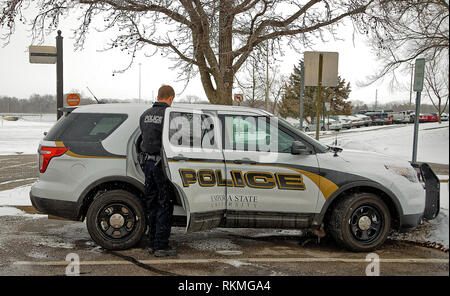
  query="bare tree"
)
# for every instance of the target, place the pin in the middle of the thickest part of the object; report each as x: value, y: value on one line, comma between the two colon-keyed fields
x: 436, y: 84
x: 211, y: 38
x: 191, y: 99
x: 259, y: 79
x: 408, y: 29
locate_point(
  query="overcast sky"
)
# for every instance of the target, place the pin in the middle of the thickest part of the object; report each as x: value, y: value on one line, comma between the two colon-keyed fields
x: 92, y: 68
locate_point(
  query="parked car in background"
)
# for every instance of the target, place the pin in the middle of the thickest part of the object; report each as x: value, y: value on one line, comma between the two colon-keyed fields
x: 444, y: 117
x: 331, y: 124
x: 356, y: 121
x: 380, y: 117
x: 428, y: 117
x: 389, y: 118
x: 343, y: 120
x: 401, y: 117
x: 366, y: 119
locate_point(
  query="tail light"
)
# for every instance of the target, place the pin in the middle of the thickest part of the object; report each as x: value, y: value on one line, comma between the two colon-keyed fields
x: 47, y: 153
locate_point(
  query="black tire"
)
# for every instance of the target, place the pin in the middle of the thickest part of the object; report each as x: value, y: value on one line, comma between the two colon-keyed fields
x: 306, y: 129
x: 344, y: 224
x: 125, y: 205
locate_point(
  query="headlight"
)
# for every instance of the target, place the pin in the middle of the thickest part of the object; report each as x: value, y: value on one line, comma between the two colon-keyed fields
x: 407, y: 172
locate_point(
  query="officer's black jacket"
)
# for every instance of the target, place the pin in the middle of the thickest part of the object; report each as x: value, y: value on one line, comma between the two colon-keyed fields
x: 151, y: 125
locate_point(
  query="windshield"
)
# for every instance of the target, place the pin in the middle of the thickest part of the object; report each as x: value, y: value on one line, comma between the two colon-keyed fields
x: 319, y: 146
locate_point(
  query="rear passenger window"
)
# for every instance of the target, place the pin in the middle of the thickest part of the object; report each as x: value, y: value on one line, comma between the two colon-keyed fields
x: 191, y: 130
x: 85, y: 127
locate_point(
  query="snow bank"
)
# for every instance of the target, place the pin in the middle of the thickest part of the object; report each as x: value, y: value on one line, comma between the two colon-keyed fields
x: 19, y: 196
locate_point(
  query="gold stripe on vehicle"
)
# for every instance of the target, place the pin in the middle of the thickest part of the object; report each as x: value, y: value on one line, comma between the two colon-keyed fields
x: 70, y: 153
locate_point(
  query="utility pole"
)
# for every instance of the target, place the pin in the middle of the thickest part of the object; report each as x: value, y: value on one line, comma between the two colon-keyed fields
x: 267, y: 76
x: 140, y: 82
x: 376, y: 99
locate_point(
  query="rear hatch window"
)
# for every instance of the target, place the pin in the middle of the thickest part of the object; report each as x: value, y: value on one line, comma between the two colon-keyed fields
x: 85, y: 127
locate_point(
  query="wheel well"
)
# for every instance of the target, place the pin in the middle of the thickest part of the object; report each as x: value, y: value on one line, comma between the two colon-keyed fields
x: 395, y: 215
x: 113, y: 185
x: 106, y: 186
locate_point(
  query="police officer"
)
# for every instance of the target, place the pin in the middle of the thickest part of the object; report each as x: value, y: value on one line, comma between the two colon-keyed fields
x: 158, y: 197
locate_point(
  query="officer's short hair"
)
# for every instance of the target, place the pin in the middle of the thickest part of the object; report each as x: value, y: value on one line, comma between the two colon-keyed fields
x: 165, y: 92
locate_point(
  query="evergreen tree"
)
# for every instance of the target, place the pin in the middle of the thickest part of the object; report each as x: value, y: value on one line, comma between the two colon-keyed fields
x: 290, y: 102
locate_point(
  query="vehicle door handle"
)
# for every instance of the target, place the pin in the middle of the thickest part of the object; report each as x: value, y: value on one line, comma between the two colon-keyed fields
x: 244, y: 161
x: 180, y: 157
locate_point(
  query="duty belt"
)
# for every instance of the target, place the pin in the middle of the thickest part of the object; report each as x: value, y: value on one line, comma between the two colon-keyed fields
x: 155, y: 158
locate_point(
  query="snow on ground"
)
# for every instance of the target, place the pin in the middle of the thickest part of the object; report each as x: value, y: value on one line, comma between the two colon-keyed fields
x: 23, y: 136
x: 19, y: 196
x: 14, y: 197
x: 394, y: 140
x: 436, y: 230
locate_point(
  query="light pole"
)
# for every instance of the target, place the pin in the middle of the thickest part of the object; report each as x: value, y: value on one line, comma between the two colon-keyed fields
x: 140, y: 83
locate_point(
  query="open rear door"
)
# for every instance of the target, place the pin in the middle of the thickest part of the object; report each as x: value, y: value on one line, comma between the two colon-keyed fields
x: 193, y: 161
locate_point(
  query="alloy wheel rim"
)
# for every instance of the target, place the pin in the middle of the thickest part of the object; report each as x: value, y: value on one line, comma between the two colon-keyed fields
x: 116, y: 220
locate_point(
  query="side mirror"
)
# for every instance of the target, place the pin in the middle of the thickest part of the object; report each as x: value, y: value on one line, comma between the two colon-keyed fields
x: 298, y: 148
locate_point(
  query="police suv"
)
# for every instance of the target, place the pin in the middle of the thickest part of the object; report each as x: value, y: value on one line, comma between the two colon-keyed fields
x: 228, y: 167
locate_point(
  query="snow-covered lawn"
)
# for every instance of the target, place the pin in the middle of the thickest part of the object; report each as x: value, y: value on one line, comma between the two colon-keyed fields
x: 433, y: 144
x: 23, y: 136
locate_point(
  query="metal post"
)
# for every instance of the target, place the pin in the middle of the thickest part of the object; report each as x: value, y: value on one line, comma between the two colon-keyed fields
x: 416, y: 128
x: 319, y: 90
x: 59, y: 75
x: 302, y: 86
x: 410, y: 86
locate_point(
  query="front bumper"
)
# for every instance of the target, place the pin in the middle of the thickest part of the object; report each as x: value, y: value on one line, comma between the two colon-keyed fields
x: 432, y: 191
x: 432, y: 199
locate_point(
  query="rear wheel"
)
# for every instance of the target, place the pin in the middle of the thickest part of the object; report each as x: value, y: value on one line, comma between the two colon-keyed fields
x: 360, y: 222
x: 116, y: 220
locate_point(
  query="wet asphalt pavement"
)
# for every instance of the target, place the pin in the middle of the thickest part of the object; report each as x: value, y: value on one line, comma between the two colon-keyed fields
x: 35, y: 245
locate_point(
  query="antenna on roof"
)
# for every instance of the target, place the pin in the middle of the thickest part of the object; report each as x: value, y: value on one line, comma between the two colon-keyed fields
x: 98, y: 102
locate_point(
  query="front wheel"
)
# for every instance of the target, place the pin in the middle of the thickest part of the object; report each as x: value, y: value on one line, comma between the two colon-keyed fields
x: 116, y: 220
x: 360, y: 222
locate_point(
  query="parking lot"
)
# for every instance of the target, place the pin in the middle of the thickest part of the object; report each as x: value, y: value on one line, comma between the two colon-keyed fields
x: 37, y: 246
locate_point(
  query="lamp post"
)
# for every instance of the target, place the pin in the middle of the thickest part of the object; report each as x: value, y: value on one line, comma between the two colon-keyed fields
x: 140, y: 83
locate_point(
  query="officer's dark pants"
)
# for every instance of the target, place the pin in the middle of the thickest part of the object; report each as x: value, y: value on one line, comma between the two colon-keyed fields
x: 159, y: 207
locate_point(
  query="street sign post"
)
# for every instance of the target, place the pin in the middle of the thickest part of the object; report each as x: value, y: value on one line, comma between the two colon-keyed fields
x: 330, y: 62
x: 419, y: 74
x: 72, y: 100
x: 302, y: 87
x: 321, y: 69
x: 51, y: 55
x: 42, y: 54
x: 239, y: 98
